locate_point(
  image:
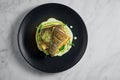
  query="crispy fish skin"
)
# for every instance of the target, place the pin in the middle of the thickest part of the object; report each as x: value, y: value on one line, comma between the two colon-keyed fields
x: 59, y: 38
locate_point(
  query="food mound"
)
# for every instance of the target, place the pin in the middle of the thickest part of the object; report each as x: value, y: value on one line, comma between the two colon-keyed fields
x: 53, y: 37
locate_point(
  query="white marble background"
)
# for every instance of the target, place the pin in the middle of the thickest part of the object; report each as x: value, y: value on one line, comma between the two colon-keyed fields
x: 102, y: 57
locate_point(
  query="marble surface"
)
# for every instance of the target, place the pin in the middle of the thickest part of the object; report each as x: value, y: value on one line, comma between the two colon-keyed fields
x: 102, y: 57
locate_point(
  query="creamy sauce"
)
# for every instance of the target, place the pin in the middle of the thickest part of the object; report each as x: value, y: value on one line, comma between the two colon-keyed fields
x: 71, y: 27
x: 75, y: 38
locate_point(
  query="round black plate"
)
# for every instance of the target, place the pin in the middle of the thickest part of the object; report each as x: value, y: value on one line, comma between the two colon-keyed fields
x: 28, y: 46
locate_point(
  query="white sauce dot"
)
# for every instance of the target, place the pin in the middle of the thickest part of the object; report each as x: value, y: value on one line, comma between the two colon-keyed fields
x: 75, y: 38
x: 71, y: 26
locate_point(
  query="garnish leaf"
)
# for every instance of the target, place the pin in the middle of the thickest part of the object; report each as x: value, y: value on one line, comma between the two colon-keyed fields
x: 62, y: 48
x: 71, y: 44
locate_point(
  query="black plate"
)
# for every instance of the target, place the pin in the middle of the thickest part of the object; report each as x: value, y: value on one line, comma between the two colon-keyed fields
x: 28, y: 46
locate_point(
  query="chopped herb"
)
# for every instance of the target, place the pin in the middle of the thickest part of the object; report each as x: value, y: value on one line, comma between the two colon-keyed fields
x: 62, y: 48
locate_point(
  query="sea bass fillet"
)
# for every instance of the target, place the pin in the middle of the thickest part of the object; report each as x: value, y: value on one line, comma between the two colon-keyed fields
x: 59, y: 38
x: 56, y: 39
